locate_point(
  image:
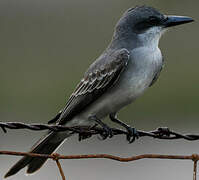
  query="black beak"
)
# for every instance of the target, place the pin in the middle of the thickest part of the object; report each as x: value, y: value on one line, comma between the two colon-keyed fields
x: 176, y: 20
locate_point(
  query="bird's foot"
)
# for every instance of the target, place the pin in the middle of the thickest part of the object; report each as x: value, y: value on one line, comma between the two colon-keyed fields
x: 107, y: 131
x: 132, y: 134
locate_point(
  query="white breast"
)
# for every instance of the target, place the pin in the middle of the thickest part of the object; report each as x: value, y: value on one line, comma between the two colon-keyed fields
x: 143, y: 65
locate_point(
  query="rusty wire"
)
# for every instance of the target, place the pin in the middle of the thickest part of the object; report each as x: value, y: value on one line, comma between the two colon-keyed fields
x: 56, y: 157
x: 88, y: 131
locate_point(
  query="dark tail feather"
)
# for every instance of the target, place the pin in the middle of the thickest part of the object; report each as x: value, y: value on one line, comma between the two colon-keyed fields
x: 18, y: 166
x: 36, y: 163
x: 44, y: 146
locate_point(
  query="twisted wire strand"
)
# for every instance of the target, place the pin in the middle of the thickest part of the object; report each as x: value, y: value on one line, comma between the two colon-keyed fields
x: 159, y: 133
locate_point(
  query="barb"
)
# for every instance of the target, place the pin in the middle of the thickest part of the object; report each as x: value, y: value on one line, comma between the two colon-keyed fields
x: 88, y: 131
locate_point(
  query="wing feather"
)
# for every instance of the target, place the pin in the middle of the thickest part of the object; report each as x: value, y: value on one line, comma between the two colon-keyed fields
x: 97, y: 80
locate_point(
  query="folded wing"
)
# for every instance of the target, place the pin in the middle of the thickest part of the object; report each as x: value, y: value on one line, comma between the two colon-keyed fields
x: 101, y: 76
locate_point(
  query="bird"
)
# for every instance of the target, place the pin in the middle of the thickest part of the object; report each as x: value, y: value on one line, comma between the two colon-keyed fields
x: 130, y: 64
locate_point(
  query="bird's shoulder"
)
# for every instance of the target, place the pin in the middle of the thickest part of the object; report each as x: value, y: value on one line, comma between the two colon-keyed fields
x: 102, y: 71
x: 109, y: 59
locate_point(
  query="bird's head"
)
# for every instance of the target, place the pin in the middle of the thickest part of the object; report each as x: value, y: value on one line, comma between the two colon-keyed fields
x: 146, y: 23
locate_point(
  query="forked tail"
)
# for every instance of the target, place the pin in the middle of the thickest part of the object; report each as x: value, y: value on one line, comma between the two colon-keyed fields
x: 46, y: 145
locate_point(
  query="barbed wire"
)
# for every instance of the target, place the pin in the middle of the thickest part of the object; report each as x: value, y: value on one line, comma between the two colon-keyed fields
x: 88, y: 131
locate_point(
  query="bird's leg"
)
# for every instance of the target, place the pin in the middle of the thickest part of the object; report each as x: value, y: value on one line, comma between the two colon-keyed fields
x: 132, y: 132
x: 107, y: 130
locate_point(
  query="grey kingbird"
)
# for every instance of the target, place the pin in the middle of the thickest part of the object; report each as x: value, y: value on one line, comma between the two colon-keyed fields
x: 130, y: 64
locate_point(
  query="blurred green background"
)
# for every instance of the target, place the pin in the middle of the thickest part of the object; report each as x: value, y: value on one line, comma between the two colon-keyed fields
x: 45, y: 47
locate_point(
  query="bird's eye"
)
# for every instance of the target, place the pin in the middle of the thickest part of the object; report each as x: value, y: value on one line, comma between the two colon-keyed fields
x: 153, y: 20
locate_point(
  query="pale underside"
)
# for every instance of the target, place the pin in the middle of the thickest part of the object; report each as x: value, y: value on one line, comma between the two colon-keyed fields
x: 135, y: 79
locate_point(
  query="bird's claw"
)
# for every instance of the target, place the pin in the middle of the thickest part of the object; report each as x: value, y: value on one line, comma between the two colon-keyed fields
x: 132, y: 135
x: 107, y: 132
